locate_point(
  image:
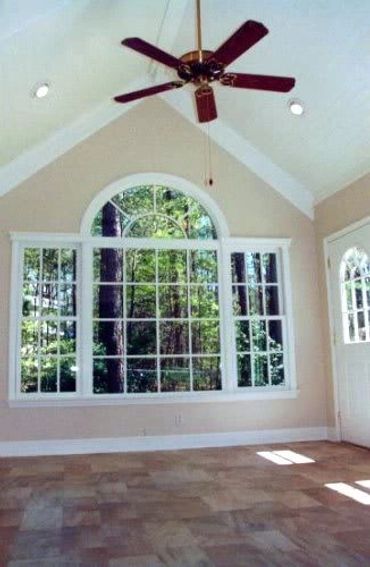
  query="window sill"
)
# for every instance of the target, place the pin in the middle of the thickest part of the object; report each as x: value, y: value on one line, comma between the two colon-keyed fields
x: 139, y: 399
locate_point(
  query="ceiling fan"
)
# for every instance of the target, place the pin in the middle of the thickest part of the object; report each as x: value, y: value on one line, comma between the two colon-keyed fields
x: 201, y: 67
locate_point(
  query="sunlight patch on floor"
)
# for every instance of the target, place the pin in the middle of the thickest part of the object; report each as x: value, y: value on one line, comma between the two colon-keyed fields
x: 348, y: 490
x: 364, y: 483
x: 285, y: 457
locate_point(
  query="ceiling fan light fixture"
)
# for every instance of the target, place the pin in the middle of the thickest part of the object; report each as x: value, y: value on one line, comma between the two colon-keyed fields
x: 296, y: 107
x: 41, y: 90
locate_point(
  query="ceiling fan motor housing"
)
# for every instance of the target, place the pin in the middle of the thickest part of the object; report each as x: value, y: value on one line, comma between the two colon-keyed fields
x: 199, y: 71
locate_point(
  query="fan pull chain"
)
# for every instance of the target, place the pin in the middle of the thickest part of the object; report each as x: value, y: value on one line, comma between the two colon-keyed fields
x: 209, y: 148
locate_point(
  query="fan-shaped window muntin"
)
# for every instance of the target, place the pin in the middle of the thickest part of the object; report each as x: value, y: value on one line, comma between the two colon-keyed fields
x: 153, y: 211
x: 355, y: 295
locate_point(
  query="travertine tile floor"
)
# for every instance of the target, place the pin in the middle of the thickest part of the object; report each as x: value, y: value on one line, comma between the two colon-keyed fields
x: 224, y: 507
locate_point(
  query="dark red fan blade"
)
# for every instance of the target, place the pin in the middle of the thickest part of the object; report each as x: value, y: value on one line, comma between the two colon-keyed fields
x: 258, y: 82
x: 151, y: 51
x: 149, y: 91
x: 206, y: 104
x: 243, y: 39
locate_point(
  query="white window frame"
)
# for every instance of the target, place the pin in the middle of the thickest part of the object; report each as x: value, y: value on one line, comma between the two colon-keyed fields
x: 85, y: 243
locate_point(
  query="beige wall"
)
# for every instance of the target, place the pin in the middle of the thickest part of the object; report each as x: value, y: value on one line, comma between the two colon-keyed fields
x: 333, y: 214
x: 152, y: 137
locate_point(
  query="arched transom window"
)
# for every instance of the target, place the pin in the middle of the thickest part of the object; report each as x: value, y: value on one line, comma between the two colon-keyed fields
x: 355, y: 285
x: 154, y: 299
x: 153, y: 212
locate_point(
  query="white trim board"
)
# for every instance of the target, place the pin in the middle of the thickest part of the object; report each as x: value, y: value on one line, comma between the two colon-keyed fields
x: 160, y: 442
x: 243, y: 151
x: 39, y: 156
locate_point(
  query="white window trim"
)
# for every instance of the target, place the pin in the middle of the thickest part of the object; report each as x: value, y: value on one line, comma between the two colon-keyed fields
x: 85, y: 242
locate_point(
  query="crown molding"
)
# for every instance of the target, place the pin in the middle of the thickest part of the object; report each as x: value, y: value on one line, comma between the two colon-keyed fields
x: 242, y: 150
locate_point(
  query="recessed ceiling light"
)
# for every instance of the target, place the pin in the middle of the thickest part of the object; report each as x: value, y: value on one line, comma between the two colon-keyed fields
x: 40, y: 90
x: 296, y: 107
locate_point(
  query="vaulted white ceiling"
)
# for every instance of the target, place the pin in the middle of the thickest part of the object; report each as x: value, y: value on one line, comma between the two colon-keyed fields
x: 75, y: 45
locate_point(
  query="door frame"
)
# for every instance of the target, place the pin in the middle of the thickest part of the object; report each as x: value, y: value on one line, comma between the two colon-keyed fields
x: 326, y: 243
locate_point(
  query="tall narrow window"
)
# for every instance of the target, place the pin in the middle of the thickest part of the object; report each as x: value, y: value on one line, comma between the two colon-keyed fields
x: 258, y: 319
x: 49, y: 321
x: 156, y: 308
x: 355, y: 288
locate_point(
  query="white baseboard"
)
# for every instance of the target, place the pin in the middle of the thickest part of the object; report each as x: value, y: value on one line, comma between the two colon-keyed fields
x: 333, y: 434
x: 159, y: 442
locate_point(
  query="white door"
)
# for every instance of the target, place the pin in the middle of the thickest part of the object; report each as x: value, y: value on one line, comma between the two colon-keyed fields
x: 349, y: 261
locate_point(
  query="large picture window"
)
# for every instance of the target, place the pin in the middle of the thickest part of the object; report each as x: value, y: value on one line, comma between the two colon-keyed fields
x: 149, y: 301
x: 156, y: 312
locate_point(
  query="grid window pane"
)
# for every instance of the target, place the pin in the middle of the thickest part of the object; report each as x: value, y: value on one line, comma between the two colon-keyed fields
x: 108, y: 376
x: 174, y: 337
x: 204, y: 301
x: 141, y: 375
x: 140, y: 266
x: 242, y: 336
x: 272, y: 300
x: 172, y: 266
x: 175, y: 374
x: 207, y: 373
x: 259, y: 335
x: 205, y: 337
x: 269, y: 268
x: 203, y: 266
x: 31, y: 264
x: 108, y: 264
x: 49, y: 373
x: 140, y: 301
x: 141, y: 337
x: 108, y: 301
x: 238, y: 267
x: 260, y: 362
x: 277, y: 368
x: 253, y: 265
x: 68, y: 370
x: 255, y: 299
x: 108, y: 338
x: 240, y: 305
x: 275, y: 335
x: 29, y: 374
x: 244, y: 370
x: 173, y: 301
x: 50, y: 258
x: 68, y: 264
x: 31, y: 300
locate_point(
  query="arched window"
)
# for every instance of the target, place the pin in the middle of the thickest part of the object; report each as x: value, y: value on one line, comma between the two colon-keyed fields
x: 156, y: 295
x: 355, y: 287
x: 151, y: 299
